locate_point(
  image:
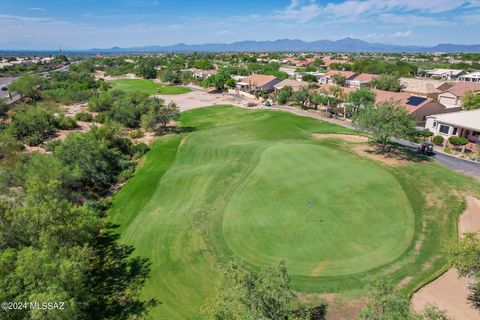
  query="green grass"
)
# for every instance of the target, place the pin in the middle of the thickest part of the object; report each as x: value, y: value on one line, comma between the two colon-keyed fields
x: 147, y: 86
x: 238, y: 186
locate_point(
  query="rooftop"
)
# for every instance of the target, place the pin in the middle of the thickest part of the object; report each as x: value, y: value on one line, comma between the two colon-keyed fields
x: 423, y: 86
x: 259, y: 80
x: 460, y: 88
x: 465, y: 119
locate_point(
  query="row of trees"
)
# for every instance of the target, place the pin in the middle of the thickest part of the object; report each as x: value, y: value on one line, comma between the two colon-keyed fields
x: 246, y: 294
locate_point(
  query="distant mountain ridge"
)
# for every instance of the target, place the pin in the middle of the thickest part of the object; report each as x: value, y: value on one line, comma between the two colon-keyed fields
x: 287, y: 45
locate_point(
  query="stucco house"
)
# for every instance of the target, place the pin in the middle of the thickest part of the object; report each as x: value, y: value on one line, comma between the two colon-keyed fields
x: 452, y: 97
x: 256, y: 82
x: 470, y: 77
x: 424, y: 87
x: 294, y: 84
x: 447, y: 74
x: 419, y: 107
x: 464, y: 124
x: 360, y: 80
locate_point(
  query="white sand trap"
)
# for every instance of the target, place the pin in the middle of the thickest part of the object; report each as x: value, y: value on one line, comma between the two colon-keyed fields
x: 347, y: 137
x: 450, y: 292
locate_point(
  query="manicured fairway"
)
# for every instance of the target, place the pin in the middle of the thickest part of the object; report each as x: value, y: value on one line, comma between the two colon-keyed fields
x: 239, y: 185
x: 147, y: 86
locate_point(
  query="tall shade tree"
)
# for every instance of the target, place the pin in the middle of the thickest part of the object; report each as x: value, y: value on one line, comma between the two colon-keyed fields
x: 466, y: 259
x: 471, y: 101
x: 386, y: 303
x: 385, y: 121
x: 387, y: 83
x: 302, y: 97
x: 245, y: 294
x: 361, y: 98
x: 28, y: 87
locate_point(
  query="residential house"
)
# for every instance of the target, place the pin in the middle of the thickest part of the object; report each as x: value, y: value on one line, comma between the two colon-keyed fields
x: 447, y: 74
x: 294, y: 84
x: 318, y: 75
x: 470, y: 77
x: 255, y: 82
x: 328, y: 77
x: 419, y: 107
x: 328, y: 61
x: 360, y: 80
x: 464, y: 124
x: 452, y: 97
x: 424, y: 87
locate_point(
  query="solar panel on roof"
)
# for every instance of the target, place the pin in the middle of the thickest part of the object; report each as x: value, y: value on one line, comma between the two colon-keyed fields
x: 415, y: 101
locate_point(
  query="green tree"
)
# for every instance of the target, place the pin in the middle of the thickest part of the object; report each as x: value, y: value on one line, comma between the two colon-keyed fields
x: 471, y: 101
x: 28, y: 86
x: 310, y: 78
x: 217, y: 80
x: 284, y: 95
x: 318, y: 99
x: 245, y: 294
x: 339, y: 79
x: 385, y: 121
x: 146, y: 69
x: 301, y: 97
x: 387, y: 83
x: 466, y: 259
x: 363, y: 97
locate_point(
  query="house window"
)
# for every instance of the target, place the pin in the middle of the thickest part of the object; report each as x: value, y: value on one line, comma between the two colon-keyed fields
x: 434, y: 124
x: 455, y: 131
x: 444, y: 129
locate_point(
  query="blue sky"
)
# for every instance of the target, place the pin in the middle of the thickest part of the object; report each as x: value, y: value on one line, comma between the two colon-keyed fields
x: 77, y: 24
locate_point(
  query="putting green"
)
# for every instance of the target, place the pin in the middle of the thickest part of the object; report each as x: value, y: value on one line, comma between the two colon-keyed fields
x: 147, y: 86
x: 318, y: 209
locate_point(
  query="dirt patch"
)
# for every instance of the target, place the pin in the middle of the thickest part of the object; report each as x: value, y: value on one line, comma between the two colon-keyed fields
x: 450, y: 292
x: 72, y: 109
x: 405, y: 281
x: 339, y: 307
x: 369, y: 152
x: 433, y: 201
x: 82, y: 128
x: 347, y: 137
x: 470, y: 219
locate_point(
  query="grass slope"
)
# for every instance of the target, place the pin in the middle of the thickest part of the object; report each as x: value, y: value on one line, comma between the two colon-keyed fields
x: 226, y: 188
x: 148, y: 87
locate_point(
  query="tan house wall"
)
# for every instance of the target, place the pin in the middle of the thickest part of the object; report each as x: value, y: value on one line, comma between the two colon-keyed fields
x: 431, y: 108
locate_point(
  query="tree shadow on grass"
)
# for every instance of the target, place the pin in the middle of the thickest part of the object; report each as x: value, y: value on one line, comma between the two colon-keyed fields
x: 117, y: 279
x: 399, y: 152
x: 174, y: 130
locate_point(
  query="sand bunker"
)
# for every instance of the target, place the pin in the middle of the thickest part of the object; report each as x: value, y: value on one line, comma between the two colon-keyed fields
x: 450, y: 292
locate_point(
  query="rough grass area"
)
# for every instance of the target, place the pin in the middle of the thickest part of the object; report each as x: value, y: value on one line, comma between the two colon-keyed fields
x: 239, y: 184
x: 148, y: 87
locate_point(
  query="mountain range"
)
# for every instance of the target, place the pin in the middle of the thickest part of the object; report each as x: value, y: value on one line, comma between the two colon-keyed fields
x: 287, y: 45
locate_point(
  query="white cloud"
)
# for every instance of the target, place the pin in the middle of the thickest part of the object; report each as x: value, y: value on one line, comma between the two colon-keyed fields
x: 36, y: 9
x: 223, y: 32
x: 401, y: 34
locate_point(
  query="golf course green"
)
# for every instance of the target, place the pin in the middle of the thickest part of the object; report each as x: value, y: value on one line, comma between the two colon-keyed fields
x: 256, y: 185
x: 147, y: 86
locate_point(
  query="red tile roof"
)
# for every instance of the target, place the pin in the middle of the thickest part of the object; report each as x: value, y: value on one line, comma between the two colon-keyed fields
x: 460, y: 88
x: 365, y: 77
x: 400, y: 97
x: 259, y: 80
x: 347, y: 74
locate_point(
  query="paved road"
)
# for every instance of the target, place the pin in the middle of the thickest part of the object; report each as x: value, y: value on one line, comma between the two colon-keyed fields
x: 466, y: 167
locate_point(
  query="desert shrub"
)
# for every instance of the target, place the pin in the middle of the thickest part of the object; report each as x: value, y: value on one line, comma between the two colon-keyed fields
x: 65, y: 123
x: 438, y: 140
x: 458, y: 141
x: 447, y: 150
x: 34, y: 139
x: 136, y: 133
x: 425, y: 133
x: 84, y: 116
x: 251, y: 104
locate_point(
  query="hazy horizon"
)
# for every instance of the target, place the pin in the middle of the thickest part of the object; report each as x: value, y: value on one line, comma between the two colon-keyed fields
x: 79, y: 25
